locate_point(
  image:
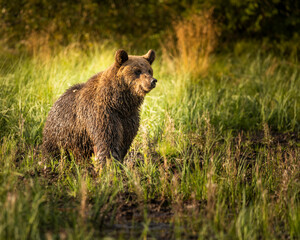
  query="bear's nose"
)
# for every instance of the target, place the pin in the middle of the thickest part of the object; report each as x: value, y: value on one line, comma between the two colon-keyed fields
x: 153, y: 82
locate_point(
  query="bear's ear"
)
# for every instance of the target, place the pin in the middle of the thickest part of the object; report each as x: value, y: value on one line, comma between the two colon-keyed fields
x: 121, y: 57
x: 150, y: 56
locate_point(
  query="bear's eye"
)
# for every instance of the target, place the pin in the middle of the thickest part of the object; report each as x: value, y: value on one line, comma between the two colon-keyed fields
x: 137, y: 72
x: 150, y: 72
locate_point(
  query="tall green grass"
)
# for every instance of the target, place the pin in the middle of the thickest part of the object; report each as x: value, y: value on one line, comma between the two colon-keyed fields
x: 217, y: 154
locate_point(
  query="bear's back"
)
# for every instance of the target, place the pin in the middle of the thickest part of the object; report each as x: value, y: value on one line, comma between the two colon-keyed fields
x: 63, y: 118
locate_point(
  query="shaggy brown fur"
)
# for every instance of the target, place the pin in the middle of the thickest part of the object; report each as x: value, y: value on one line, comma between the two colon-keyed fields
x: 101, y: 116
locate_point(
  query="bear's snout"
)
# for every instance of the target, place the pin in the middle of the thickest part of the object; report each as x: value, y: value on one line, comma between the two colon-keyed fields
x: 153, y: 82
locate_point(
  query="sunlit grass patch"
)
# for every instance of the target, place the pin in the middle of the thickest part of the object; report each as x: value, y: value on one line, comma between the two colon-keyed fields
x: 213, y: 158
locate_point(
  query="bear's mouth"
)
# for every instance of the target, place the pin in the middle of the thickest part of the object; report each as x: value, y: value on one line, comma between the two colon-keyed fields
x: 146, y: 87
x: 146, y: 90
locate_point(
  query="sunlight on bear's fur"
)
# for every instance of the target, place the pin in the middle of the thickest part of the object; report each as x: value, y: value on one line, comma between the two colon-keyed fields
x: 101, y: 116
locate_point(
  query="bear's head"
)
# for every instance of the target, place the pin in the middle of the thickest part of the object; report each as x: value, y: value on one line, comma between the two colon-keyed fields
x: 135, y: 72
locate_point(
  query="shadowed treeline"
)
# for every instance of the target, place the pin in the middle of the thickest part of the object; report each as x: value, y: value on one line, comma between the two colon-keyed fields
x: 142, y: 22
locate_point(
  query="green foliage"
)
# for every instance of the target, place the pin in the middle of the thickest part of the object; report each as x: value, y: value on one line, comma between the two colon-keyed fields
x: 142, y: 23
x: 68, y: 21
x: 272, y: 18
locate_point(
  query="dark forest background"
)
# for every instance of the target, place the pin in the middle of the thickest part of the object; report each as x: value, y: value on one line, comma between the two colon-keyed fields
x: 140, y: 23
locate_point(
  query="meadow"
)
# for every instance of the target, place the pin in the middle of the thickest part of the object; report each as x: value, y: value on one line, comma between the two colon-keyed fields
x: 217, y: 155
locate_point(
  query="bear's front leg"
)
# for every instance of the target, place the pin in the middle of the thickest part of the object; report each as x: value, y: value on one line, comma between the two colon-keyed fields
x: 107, y: 138
x: 101, y: 155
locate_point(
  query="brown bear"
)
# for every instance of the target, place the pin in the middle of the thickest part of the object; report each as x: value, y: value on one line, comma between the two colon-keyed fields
x: 101, y: 116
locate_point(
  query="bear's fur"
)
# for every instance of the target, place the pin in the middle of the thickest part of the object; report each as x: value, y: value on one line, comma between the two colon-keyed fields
x: 101, y: 116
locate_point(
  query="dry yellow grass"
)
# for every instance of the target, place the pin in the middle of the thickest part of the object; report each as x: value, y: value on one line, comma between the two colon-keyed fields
x: 186, y: 50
